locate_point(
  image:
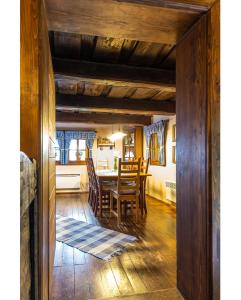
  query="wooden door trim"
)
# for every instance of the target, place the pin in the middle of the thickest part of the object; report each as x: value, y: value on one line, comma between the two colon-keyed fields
x: 212, y: 159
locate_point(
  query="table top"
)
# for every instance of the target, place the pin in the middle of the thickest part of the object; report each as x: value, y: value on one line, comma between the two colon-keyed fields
x: 114, y: 174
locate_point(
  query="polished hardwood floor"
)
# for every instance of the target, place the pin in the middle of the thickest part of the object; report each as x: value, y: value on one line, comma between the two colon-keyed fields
x: 145, y: 271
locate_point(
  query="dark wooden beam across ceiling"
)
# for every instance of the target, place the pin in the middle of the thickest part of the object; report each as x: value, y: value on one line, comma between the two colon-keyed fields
x: 134, y: 20
x: 114, y: 105
x: 102, y: 118
x: 103, y: 73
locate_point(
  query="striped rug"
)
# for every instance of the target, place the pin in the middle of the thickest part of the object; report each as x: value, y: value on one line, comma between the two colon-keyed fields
x: 98, y: 241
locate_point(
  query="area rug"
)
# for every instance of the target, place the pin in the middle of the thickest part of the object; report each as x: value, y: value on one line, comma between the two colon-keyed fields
x: 95, y: 240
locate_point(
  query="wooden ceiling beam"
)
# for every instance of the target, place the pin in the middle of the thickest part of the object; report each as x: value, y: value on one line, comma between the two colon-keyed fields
x: 102, y: 118
x: 113, y: 74
x: 134, y: 20
x: 114, y: 105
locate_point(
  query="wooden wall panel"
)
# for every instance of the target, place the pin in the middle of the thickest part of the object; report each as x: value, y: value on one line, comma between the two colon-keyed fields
x: 37, y: 125
x: 192, y: 164
x: 29, y: 93
x: 214, y: 134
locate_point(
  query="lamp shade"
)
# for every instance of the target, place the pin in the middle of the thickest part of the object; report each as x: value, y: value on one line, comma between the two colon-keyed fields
x: 117, y: 136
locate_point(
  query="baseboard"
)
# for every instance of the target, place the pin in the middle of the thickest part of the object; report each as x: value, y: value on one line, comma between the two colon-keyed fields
x: 70, y: 191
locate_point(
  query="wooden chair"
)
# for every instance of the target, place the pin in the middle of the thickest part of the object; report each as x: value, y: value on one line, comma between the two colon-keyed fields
x: 144, y: 169
x: 100, y: 192
x: 93, y: 188
x: 128, y: 188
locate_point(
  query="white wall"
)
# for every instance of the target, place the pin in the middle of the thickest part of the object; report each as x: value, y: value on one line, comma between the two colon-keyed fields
x: 156, y: 183
x: 106, y: 153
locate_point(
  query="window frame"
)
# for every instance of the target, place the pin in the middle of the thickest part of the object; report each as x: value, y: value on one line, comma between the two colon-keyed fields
x: 154, y: 162
x: 157, y: 162
x: 78, y: 161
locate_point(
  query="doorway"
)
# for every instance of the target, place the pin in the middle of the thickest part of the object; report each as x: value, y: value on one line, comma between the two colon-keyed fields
x: 197, y: 38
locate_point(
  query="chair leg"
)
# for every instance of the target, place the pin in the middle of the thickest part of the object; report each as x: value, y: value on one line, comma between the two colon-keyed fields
x: 144, y: 200
x: 141, y: 202
x: 100, y: 202
x: 111, y: 202
x: 95, y: 204
x: 132, y: 208
x: 118, y: 212
x: 137, y: 209
x: 145, y: 208
x: 124, y: 208
x: 89, y: 196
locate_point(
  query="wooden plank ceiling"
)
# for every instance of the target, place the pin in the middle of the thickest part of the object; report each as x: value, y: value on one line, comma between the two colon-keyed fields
x: 94, y: 52
x: 110, y: 75
x: 126, y: 52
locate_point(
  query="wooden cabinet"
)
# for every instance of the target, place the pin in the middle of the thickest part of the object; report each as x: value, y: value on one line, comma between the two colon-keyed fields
x: 133, y: 144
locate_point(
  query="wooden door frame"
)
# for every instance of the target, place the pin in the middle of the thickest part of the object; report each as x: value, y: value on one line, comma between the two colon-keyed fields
x: 212, y: 177
x: 201, y: 81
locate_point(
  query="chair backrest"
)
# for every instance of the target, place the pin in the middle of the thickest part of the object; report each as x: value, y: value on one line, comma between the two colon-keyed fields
x: 102, y: 164
x: 145, y: 165
x: 93, y: 181
x: 88, y: 170
x: 129, y: 176
x: 131, y: 159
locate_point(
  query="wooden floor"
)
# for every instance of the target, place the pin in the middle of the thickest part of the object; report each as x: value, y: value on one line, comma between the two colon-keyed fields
x: 146, y: 271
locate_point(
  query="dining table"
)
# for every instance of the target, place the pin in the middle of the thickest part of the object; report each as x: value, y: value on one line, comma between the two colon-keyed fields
x: 112, y: 175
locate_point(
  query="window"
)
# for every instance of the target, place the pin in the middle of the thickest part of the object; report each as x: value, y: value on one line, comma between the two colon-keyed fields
x: 129, y: 146
x: 77, y: 151
x: 154, y: 150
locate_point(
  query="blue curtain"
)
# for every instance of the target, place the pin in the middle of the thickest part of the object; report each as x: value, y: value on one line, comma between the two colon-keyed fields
x: 89, y: 143
x: 89, y: 136
x: 160, y: 129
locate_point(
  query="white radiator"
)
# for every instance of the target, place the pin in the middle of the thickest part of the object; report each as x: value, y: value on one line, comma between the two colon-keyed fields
x: 67, y: 181
x: 170, y: 190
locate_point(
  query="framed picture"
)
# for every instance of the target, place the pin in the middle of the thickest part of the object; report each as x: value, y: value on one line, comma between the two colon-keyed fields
x: 174, y: 133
